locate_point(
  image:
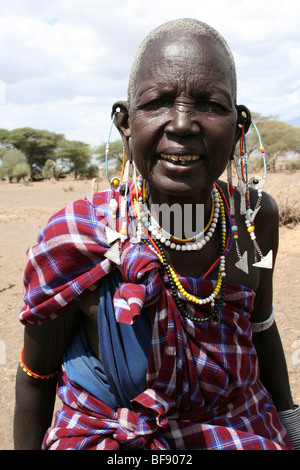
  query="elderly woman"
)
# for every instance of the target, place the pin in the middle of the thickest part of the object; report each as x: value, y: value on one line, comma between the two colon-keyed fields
x: 161, y: 340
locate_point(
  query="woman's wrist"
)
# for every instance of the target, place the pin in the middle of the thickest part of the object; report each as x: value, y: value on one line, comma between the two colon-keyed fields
x: 290, y: 419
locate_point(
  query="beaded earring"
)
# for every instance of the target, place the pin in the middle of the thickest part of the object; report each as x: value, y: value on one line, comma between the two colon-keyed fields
x: 114, y: 252
x: 256, y: 182
x: 114, y: 182
x: 124, y: 192
x: 123, y: 204
x: 137, y: 201
x: 242, y: 262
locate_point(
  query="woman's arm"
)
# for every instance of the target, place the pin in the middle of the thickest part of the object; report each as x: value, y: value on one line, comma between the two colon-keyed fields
x: 43, y: 350
x: 33, y: 410
x: 273, y: 369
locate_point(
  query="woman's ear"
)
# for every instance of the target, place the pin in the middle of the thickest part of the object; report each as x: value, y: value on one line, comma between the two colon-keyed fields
x: 120, y: 110
x: 121, y: 121
x: 244, y: 119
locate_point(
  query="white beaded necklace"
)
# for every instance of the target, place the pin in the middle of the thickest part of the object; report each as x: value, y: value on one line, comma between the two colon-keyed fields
x: 159, y: 233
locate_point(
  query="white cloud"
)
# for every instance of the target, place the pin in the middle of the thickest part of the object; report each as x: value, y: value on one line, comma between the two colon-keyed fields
x: 31, y: 48
x: 65, y: 63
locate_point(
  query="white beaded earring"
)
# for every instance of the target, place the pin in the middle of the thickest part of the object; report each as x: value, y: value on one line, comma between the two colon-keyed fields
x: 243, y: 187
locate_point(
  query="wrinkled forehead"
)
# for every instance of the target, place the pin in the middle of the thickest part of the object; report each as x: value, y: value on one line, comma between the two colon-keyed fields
x: 180, y: 50
x: 181, y: 53
x: 185, y: 57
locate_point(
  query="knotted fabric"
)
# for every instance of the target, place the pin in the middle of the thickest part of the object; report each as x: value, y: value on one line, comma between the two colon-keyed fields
x: 142, y: 283
x: 69, y: 259
x: 103, y: 427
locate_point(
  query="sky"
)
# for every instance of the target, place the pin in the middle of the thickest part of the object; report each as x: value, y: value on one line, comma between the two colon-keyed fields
x: 65, y: 62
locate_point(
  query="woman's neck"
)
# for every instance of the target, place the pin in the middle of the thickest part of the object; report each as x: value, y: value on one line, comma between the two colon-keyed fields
x: 181, y: 216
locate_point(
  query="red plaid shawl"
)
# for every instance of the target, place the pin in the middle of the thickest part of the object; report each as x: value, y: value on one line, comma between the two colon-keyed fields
x: 203, y: 390
x: 68, y: 260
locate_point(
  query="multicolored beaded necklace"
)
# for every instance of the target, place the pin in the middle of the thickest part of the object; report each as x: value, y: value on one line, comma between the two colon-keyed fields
x: 179, y: 293
x: 186, y: 244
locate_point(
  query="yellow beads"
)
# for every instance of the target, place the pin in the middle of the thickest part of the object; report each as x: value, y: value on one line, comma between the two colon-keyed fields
x: 114, y: 183
x: 191, y: 297
x: 173, y: 278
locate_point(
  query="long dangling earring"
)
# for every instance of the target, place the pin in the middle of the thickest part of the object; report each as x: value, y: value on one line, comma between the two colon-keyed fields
x: 257, y: 182
x: 242, y: 262
x: 112, y: 236
x: 114, y: 182
x: 242, y: 183
x: 135, y: 192
x: 124, y: 189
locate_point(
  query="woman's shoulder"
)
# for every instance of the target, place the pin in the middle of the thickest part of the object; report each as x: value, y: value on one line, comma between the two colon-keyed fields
x: 267, y: 204
x: 268, y: 214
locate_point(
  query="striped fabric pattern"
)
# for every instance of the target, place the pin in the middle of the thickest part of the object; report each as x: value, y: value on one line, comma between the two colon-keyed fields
x: 203, y: 392
x: 67, y: 260
x: 202, y: 383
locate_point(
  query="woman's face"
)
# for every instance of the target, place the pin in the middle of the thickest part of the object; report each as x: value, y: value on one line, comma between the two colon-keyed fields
x: 182, y: 118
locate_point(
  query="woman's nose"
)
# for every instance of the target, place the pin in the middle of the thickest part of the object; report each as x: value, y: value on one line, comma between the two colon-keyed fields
x: 181, y: 122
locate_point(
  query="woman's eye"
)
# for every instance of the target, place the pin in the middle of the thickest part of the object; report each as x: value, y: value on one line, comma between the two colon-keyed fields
x: 157, y: 103
x: 212, y: 106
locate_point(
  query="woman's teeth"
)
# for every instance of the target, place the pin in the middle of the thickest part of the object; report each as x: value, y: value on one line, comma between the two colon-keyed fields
x: 180, y: 158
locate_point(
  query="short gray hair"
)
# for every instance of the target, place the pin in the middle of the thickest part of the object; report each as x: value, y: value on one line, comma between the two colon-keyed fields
x: 191, y: 28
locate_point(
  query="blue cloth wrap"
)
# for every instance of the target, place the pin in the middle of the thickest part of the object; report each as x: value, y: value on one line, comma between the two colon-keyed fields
x: 121, y: 375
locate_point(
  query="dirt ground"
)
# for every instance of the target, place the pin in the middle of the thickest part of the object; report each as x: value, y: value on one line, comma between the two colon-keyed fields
x: 25, y: 209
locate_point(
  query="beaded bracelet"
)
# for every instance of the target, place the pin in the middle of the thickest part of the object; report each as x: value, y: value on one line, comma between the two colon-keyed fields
x: 257, y: 327
x: 291, y: 421
x: 33, y: 374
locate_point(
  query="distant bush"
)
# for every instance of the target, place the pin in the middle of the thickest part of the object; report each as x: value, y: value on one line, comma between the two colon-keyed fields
x: 14, y: 165
x: 289, y: 208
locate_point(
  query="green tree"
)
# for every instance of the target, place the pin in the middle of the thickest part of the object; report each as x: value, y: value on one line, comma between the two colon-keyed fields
x: 4, y: 141
x: 89, y: 172
x: 37, y: 145
x: 48, y: 170
x: 277, y: 138
x: 52, y: 169
x: 75, y: 155
x: 115, y: 152
x: 14, y: 165
x: 21, y: 170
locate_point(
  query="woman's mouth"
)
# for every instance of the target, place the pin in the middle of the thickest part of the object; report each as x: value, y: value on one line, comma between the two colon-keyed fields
x: 180, y: 159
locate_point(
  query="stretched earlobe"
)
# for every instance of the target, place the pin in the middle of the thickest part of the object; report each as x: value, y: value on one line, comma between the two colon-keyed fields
x: 121, y: 121
x: 244, y: 118
x: 120, y: 110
